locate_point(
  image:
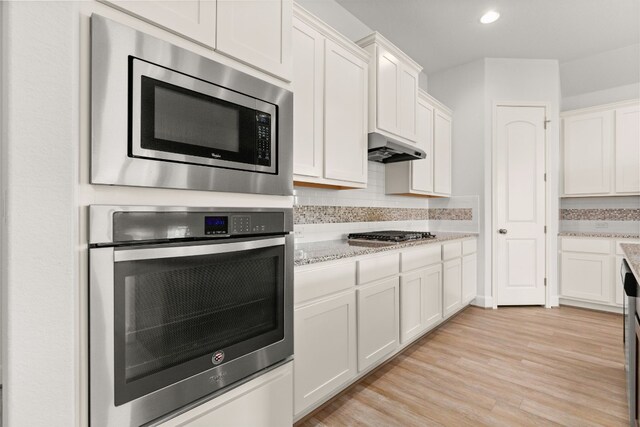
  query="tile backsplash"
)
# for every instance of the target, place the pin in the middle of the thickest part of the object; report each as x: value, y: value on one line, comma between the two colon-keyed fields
x: 327, y: 214
x: 600, y: 214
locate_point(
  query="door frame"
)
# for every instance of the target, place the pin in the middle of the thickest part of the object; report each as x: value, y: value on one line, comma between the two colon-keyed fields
x: 547, y: 197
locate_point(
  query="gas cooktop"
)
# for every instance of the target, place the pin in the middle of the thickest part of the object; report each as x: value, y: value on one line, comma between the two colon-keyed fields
x: 392, y: 236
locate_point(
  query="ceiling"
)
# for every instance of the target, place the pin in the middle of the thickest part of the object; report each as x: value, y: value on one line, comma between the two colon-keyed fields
x: 440, y: 34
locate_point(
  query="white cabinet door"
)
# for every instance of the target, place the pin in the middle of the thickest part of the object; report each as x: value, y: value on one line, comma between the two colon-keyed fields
x: 325, y: 348
x: 269, y: 396
x: 194, y: 19
x: 257, y: 32
x: 377, y: 321
x: 422, y: 170
x: 387, y: 91
x: 345, y: 115
x: 433, y: 295
x: 408, y: 103
x: 627, y: 160
x: 452, y: 286
x: 442, y: 153
x: 469, y: 277
x: 586, y: 276
x: 308, y: 102
x: 413, y: 289
x: 588, y: 142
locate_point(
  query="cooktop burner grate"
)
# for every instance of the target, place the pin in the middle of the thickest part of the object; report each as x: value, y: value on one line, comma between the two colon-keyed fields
x: 392, y: 236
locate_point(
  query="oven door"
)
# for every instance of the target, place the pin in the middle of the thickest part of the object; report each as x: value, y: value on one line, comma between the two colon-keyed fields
x: 179, y: 118
x: 175, y: 323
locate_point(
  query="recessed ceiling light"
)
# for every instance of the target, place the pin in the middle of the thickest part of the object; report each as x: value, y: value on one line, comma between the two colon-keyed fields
x: 489, y: 17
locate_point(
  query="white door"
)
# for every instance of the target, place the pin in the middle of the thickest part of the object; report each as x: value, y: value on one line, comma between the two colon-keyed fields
x: 407, y: 104
x: 519, y: 206
x: 387, y: 92
x: 442, y: 153
x: 451, y: 286
x: 412, y: 297
x: 422, y: 170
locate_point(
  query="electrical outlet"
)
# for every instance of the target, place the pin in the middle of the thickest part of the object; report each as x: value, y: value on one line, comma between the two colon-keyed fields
x: 602, y: 225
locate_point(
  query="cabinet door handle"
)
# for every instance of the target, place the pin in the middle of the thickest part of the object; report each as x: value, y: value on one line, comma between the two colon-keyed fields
x: 502, y: 231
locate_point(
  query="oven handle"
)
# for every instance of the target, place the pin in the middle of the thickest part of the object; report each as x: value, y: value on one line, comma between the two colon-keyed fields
x: 185, y: 251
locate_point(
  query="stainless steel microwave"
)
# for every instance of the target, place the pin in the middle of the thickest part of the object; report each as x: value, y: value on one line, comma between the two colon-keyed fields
x: 163, y: 116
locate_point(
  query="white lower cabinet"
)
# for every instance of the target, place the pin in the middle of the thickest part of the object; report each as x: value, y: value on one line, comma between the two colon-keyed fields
x: 452, y: 286
x: 325, y: 347
x: 469, y: 277
x: 268, y: 396
x: 586, y: 276
x: 420, y: 301
x: 377, y: 321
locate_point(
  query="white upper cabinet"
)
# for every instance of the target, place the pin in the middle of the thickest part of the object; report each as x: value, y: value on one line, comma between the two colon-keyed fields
x: 442, y: 153
x: 628, y: 150
x: 257, y: 32
x: 308, y: 102
x: 419, y: 177
x: 193, y: 19
x: 588, y: 140
x: 601, y: 150
x: 330, y: 106
x: 393, y: 90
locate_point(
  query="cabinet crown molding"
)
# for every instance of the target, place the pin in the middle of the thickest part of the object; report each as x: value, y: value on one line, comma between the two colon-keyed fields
x: 377, y: 38
x: 599, y: 108
x: 424, y: 95
x: 329, y: 32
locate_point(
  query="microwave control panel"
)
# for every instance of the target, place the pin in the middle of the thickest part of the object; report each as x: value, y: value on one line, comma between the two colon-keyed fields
x: 263, y: 139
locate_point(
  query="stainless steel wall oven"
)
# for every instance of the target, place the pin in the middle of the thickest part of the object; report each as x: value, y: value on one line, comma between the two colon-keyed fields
x: 163, y: 116
x: 183, y: 302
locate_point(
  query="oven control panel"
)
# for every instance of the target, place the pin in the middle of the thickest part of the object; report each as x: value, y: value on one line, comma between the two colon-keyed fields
x: 216, y: 225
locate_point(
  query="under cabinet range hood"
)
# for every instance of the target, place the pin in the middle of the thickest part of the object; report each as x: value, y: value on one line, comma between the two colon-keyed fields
x: 388, y: 150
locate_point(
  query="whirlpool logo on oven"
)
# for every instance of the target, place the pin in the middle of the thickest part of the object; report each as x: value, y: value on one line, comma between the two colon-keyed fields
x: 217, y: 357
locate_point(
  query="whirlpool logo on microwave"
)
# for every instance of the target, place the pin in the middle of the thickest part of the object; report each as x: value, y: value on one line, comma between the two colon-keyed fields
x: 216, y: 155
x: 217, y: 357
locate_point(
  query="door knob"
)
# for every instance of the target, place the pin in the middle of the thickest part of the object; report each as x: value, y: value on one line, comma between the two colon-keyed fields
x: 502, y: 231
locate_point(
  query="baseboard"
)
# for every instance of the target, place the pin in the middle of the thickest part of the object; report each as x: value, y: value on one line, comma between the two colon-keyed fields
x: 554, y: 301
x: 483, y: 301
x: 590, y: 305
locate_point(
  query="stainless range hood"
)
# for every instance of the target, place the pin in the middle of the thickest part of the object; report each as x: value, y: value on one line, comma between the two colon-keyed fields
x: 388, y: 150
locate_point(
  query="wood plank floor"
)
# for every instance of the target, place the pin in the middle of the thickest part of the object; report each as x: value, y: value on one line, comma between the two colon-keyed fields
x: 515, y: 366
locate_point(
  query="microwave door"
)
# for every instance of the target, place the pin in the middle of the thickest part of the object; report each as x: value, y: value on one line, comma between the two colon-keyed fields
x: 179, y: 118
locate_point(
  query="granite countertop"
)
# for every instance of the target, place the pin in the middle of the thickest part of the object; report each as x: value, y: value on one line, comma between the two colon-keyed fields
x: 599, y: 234
x: 632, y: 254
x: 311, y: 253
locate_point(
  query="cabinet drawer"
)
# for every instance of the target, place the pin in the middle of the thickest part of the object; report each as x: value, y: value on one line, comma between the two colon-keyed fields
x: 619, y: 249
x: 417, y: 258
x: 314, y: 283
x: 594, y: 246
x: 378, y: 268
x: 469, y: 246
x: 451, y: 250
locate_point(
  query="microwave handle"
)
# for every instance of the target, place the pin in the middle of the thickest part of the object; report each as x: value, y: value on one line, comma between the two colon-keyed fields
x: 186, y: 251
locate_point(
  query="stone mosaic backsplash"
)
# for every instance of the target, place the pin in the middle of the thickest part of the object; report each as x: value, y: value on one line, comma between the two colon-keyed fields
x: 303, y: 214
x: 625, y: 214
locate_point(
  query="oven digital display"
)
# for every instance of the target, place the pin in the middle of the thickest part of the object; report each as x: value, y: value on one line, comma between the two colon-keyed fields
x: 216, y: 225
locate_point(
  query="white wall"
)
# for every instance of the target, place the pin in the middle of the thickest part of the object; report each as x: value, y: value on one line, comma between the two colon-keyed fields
x: 39, y: 227
x: 603, y: 78
x: 462, y: 89
x: 471, y: 90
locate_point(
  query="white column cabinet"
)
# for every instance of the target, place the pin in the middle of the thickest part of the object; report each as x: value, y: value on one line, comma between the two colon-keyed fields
x: 378, y: 320
x: 627, y: 153
x: 257, y: 32
x: 325, y: 347
x: 330, y: 105
x: 393, y: 90
x: 193, y: 19
x: 601, y: 150
x: 418, y: 177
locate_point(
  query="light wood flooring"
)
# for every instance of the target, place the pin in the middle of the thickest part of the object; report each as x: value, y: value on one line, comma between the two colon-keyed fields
x: 515, y: 366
